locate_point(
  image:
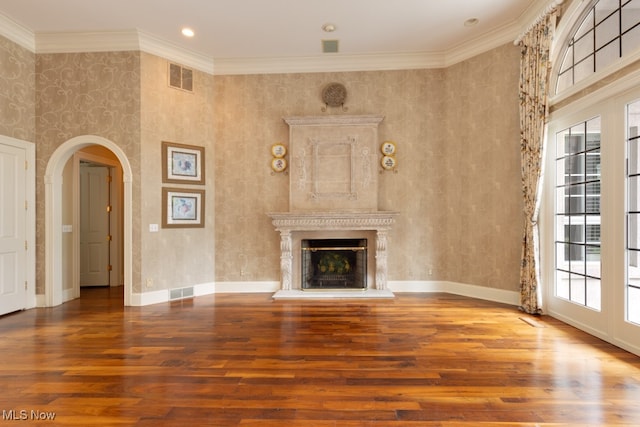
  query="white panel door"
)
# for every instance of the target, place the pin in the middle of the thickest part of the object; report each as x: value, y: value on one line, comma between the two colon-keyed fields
x: 94, y: 225
x: 13, y: 253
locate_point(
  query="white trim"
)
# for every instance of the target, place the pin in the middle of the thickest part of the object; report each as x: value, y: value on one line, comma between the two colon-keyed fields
x: 328, y: 63
x: 612, y: 89
x: 204, y: 289
x: 53, y: 216
x: 542, y: 15
x: 247, y: 287
x: 273, y: 287
x: 96, y: 41
x: 456, y: 288
x: 134, y: 40
x: 148, y: 298
x: 30, y: 220
x: 596, y: 77
x: 17, y: 33
x: 156, y: 46
x: 462, y: 289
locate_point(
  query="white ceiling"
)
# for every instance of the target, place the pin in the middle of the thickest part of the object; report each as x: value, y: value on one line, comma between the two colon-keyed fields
x: 266, y: 30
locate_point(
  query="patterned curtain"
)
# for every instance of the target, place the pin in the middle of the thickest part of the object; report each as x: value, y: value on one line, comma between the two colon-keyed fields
x: 535, y: 68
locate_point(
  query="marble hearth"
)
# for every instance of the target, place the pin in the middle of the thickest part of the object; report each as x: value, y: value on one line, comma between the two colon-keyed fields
x: 334, y: 163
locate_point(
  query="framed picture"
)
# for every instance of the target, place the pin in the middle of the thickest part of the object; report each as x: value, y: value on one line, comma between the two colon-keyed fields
x: 182, y: 164
x: 182, y: 208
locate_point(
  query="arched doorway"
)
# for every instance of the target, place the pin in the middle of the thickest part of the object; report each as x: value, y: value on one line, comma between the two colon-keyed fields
x: 53, y: 215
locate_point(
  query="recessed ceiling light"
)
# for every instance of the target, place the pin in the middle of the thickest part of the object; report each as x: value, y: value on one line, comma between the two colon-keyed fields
x: 471, y: 22
x: 188, y: 32
x: 328, y: 28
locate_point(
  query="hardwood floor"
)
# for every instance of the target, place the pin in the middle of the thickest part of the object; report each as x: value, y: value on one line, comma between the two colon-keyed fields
x: 226, y: 360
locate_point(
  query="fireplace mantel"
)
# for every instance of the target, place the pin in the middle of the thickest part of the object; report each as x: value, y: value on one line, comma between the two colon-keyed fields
x: 291, y: 224
x: 334, y: 163
x: 296, y: 221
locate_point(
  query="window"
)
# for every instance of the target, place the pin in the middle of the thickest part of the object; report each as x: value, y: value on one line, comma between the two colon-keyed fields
x: 609, y: 31
x: 633, y: 213
x: 578, y: 214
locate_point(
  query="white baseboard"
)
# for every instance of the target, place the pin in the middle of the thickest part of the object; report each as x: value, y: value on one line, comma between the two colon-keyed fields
x: 246, y: 287
x: 455, y: 288
x: 472, y: 291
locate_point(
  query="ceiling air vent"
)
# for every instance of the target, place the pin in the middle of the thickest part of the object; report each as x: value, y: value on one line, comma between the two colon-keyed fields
x: 330, y: 46
x: 180, y: 77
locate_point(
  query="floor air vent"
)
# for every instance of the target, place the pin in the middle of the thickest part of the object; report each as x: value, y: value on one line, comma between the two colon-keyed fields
x: 180, y: 293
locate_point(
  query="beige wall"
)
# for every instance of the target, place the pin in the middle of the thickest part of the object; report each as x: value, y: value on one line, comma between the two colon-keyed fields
x: 484, y: 198
x: 17, y: 91
x: 457, y: 184
x: 173, y: 258
x: 85, y: 94
x: 124, y: 97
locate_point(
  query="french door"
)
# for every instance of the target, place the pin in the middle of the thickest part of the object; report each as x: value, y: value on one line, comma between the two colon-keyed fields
x: 590, y: 236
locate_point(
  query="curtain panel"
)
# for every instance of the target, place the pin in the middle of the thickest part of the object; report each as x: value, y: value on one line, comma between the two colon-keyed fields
x: 535, y: 68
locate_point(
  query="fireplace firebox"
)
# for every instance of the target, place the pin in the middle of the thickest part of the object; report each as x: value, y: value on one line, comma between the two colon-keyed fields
x: 334, y: 264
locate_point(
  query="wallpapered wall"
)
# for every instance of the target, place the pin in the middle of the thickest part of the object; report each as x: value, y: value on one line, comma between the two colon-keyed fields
x: 85, y: 94
x: 174, y: 258
x: 17, y: 91
x: 457, y: 184
x: 125, y: 97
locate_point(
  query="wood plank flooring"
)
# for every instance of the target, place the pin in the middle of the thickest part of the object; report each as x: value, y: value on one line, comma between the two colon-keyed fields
x: 247, y: 360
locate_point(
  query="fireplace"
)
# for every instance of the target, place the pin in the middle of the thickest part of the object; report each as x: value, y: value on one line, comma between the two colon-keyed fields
x: 329, y: 264
x: 334, y: 164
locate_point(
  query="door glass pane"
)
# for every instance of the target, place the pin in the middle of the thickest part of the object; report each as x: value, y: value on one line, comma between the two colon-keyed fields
x: 633, y: 213
x: 578, y: 219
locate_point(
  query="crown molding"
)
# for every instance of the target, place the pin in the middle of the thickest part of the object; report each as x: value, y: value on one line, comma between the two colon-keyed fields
x: 328, y: 63
x: 139, y: 40
x: 98, y: 41
x: 17, y: 33
x: 159, y: 47
x: 118, y: 41
x: 484, y: 43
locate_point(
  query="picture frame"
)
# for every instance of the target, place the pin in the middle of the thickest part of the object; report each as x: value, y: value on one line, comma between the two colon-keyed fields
x: 182, y: 208
x: 182, y: 163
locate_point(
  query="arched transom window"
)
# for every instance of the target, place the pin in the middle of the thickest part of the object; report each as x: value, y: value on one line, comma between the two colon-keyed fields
x: 609, y: 30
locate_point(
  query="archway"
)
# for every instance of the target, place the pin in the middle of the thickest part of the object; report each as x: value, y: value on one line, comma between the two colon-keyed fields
x: 53, y: 215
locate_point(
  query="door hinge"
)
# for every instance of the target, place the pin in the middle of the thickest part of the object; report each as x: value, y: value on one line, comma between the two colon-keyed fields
x: 26, y: 245
x: 26, y: 205
x: 25, y: 285
x: 26, y: 165
x: 109, y: 267
x: 109, y: 208
x: 109, y: 178
x: 108, y: 237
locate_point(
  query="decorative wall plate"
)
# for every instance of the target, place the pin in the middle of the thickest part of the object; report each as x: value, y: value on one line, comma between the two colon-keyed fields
x: 278, y: 150
x: 388, y: 162
x: 334, y: 94
x: 278, y: 164
x: 388, y: 148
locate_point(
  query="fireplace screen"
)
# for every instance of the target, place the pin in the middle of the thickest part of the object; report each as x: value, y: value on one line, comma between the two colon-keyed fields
x: 334, y: 264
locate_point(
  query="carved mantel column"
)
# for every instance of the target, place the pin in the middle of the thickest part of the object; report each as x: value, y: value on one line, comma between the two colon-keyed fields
x: 286, y: 259
x: 381, y: 259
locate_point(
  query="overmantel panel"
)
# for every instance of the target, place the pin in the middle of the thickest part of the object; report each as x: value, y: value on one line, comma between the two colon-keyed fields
x: 333, y: 163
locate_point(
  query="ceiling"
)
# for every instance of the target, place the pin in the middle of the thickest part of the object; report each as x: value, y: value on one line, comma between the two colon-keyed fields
x: 250, y: 30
